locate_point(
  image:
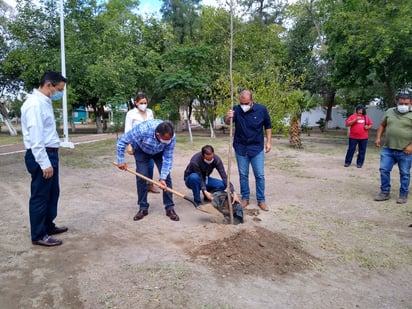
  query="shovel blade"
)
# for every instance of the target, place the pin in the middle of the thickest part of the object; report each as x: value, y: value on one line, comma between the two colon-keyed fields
x: 210, y: 209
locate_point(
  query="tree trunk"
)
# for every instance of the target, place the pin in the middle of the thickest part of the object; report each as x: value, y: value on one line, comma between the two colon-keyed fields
x: 73, y: 126
x: 4, y: 113
x: 212, y: 131
x: 390, y: 93
x: 329, y: 100
x: 188, y: 124
x: 12, y: 129
x: 294, y: 134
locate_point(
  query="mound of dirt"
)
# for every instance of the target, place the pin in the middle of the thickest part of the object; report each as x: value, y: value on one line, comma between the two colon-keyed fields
x: 259, y: 252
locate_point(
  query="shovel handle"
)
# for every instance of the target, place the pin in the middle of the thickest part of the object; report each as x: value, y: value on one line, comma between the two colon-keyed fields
x: 159, y: 185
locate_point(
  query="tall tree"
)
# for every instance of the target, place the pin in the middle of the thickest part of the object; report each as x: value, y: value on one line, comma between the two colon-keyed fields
x: 183, y: 16
x: 369, y: 41
x: 265, y: 11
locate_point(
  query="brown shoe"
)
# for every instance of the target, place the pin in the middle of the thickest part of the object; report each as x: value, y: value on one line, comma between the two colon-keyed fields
x: 47, y: 241
x: 140, y: 215
x: 172, y: 215
x: 263, y: 206
x: 244, y: 203
x: 151, y: 188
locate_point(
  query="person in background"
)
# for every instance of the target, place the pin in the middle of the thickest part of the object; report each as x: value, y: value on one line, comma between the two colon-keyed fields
x: 136, y: 115
x: 41, y: 141
x: 397, y: 126
x: 198, y: 171
x: 359, y: 124
x: 250, y: 120
x: 150, y: 140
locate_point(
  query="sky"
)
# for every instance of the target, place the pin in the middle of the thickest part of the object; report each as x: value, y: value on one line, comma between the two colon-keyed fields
x: 146, y: 6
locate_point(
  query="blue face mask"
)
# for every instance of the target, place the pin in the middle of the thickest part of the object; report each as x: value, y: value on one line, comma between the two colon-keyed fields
x: 57, y: 96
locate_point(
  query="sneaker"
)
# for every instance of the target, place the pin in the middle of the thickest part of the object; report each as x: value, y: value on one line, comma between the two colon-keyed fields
x: 402, y: 200
x: 359, y: 166
x: 47, y: 241
x: 382, y: 197
x: 346, y: 164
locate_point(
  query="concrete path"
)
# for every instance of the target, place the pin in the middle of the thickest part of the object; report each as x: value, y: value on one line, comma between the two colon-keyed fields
x: 89, y: 138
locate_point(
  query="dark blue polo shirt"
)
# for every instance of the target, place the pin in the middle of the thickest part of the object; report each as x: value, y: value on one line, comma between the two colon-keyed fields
x: 249, y: 137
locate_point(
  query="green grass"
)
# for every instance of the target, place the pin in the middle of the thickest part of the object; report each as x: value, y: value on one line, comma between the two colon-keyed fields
x: 7, y: 139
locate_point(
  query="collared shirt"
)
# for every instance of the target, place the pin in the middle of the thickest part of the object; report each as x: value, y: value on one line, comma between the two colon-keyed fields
x: 249, y: 138
x: 39, y: 127
x: 134, y: 117
x: 143, y: 136
x: 200, y: 167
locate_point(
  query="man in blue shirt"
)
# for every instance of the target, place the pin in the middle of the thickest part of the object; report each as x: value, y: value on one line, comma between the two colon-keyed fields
x: 250, y: 119
x: 151, y: 139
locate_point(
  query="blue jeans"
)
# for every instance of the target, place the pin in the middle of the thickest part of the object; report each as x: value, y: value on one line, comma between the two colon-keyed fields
x: 362, y: 144
x: 151, y: 167
x: 44, y: 196
x: 193, y: 182
x: 389, y: 157
x: 142, y: 167
x: 258, y: 167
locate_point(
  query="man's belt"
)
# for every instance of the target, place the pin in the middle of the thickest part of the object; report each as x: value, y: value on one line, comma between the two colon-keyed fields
x: 50, y: 149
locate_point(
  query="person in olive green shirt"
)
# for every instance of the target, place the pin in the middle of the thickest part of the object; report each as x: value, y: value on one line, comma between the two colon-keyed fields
x: 397, y: 126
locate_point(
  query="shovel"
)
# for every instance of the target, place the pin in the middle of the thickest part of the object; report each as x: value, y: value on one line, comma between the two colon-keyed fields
x: 208, y: 208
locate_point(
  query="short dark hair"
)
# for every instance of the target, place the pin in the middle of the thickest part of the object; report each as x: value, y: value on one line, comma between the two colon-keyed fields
x: 53, y: 77
x: 165, y: 128
x: 140, y: 95
x: 403, y: 96
x: 207, y: 149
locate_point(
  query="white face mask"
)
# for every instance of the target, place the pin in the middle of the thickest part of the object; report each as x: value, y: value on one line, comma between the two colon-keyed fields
x: 209, y: 161
x: 403, y: 109
x: 245, y: 108
x: 166, y: 142
x: 142, y: 107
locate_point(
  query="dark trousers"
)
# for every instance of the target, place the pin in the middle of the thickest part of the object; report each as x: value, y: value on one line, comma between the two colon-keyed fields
x: 44, y: 196
x: 362, y: 144
x: 142, y: 167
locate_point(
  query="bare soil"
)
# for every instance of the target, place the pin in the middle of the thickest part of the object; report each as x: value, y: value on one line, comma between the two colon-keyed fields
x: 324, y: 243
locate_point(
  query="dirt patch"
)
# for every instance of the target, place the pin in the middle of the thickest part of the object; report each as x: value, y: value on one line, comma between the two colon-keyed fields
x: 259, y: 252
x: 324, y: 243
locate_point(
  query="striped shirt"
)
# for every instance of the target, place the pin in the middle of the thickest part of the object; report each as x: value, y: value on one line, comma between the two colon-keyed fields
x: 143, y: 136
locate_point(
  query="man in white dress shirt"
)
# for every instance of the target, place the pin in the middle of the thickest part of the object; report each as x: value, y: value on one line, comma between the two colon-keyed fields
x: 41, y: 141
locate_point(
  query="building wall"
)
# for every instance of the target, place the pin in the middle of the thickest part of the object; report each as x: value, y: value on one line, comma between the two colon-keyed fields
x: 310, y: 118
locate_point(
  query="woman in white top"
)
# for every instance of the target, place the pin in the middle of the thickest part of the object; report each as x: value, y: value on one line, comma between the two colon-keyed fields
x: 136, y: 115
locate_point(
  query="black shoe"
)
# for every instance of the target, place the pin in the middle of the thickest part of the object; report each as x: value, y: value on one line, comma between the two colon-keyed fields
x: 346, y: 164
x: 59, y: 230
x: 47, y: 241
x: 172, y: 215
x: 140, y: 215
x: 359, y: 166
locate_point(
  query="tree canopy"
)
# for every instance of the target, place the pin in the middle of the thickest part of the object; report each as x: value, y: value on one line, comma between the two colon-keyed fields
x: 290, y: 56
